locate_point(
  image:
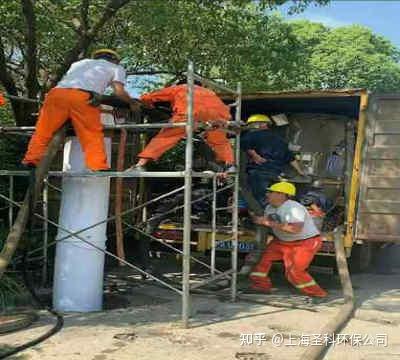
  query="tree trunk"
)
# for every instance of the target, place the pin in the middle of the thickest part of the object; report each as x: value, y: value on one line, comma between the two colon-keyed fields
x: 31, y: 197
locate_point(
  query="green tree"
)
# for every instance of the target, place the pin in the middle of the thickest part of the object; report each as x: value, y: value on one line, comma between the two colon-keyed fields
x: 346, y: 57
x: 40, y: 39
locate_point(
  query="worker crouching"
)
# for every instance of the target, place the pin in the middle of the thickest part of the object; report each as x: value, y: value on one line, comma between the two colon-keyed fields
x: 296, y: 241
x: 207, y: 108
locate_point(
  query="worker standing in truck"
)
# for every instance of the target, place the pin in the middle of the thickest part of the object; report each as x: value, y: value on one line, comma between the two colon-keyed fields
x: 296, y: 241
x: 70, y: 99
x: 207, y: 108
x: 267, y: 155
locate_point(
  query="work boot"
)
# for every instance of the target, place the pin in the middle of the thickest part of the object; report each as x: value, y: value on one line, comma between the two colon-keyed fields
x: 314, y: 291
x: 135, y: 168
x: 260, y: 284
x: 256, y: 288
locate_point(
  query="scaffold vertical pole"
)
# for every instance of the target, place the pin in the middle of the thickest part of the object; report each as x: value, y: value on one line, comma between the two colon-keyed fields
x: 213, y: 224
x: 11, y: 196
x: 235, y: 216
x: 45, y: 229
x: 187, y: 199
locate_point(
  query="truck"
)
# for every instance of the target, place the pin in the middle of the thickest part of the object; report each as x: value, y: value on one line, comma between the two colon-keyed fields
x: 348, y: 142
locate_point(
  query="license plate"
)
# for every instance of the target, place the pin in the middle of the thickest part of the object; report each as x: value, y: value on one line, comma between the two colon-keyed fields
x: 243, y: 246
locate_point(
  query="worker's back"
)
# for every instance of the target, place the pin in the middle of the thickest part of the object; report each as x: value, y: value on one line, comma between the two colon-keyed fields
x: 92, y: 75
x: 207, y: 105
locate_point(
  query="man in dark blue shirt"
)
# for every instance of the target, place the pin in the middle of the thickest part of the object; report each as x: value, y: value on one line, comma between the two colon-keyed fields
x: 267, y: 155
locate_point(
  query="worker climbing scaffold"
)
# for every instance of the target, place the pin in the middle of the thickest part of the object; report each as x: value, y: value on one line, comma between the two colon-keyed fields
x: 207, y: 109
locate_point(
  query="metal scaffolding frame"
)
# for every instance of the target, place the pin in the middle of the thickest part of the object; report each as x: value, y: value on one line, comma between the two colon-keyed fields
x: 187, y: 175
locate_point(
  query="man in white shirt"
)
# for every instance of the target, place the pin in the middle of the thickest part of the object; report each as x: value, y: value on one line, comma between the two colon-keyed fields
x: 296, y: 241
x: 69, y: 100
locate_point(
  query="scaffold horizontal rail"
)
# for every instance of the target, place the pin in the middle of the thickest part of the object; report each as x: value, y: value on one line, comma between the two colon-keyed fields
x: 131, y: 126
x: 114, y: 174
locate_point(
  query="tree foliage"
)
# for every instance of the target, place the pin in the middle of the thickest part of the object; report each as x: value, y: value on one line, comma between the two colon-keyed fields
x: 353, y: 56
x: 234, y: 40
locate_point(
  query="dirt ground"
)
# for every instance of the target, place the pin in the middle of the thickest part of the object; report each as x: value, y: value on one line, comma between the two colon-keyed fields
x: 278, y: 326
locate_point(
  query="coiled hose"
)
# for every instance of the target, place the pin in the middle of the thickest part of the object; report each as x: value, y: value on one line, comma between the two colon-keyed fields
x: 13, y: 239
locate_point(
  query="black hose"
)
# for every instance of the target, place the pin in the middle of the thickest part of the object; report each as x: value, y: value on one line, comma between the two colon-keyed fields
x: 51, y: 332
x: 24, y: 215
x: 56, y: 328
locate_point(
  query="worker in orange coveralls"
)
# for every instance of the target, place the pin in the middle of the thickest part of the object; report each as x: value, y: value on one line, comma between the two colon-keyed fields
x: 70, y: 99
x: 296, y: 241
x: 207, y: 107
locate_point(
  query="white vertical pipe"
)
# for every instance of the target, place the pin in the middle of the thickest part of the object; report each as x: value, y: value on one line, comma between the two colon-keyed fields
x: 78, y: 273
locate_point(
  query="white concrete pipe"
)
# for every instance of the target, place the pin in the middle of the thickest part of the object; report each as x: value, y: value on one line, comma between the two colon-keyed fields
x: 79, y: 268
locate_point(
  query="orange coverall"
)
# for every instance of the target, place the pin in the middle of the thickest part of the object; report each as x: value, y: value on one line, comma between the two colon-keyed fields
x: 60, y: 105
x: 2, y: 100
x: 296, y: 256
x: 207, y: 106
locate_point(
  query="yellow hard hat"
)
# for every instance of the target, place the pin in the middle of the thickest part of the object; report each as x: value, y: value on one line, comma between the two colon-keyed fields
x: 258, y: 118
x: 283, y: 187
x: 109, y: 52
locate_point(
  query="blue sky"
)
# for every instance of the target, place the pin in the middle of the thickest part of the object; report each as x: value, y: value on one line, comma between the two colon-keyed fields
x: 380, y: 16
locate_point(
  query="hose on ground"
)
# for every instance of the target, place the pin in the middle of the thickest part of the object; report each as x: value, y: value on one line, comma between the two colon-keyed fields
x: 56, y: 328
x: 13, y: 239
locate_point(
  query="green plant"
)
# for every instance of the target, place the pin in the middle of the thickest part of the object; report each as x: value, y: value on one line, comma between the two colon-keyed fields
x: 11, y: 290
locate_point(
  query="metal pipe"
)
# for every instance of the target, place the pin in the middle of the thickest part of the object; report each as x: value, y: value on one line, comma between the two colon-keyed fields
x: 11, y: 207
x: 187, y: 222
x: 213, y: 225
x: 111, y: 127
x: 16, y: 128
x: 119, y: 188
x: 224, y: 208
x: 45, y: 206
x: 235, y: 215
x: 145, y: 126
x: 106, y: 127
x: 122, y: 174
